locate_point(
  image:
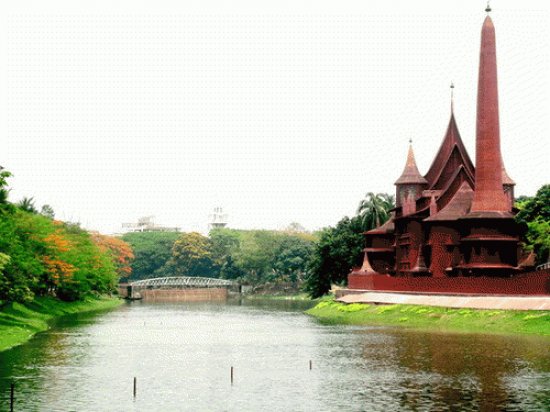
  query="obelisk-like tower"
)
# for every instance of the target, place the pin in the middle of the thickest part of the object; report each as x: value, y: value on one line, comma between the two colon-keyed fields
x: 490, y: 235
x: 489, y: 194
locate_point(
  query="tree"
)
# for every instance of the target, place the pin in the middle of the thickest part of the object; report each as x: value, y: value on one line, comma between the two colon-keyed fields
x: 535, y: 213
x: 120, y: 252
x: 292, y: 257
x: 5, y: 206
x: 4, y: 175
x: 47, y: 211
x: 223, y: 243
x: 374, y: 209
x: 152, y: 252
x: 191, y: 255
x: 339, y: 250
x: 231, y: 271
x: 27, y: 204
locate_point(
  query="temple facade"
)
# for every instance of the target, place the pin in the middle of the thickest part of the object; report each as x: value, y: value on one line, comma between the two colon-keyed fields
x: 457, y: 220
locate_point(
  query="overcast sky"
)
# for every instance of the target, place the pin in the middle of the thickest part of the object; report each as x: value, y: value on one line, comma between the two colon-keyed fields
x: 278, y: 112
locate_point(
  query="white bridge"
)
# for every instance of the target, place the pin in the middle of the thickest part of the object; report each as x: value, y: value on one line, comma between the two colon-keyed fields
x: 180, y: 282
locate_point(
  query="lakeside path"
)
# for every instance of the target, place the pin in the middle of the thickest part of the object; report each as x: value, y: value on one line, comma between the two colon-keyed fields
x: 449, y: 301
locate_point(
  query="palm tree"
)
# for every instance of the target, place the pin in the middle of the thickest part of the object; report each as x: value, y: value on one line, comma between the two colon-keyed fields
x: 374, y: 209
x: 27, y: 204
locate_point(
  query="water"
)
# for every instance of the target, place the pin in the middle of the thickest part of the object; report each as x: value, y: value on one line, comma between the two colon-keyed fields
x: 181, y: 355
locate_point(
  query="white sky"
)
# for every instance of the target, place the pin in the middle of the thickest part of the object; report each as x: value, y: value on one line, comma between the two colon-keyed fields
x: 277, y: 111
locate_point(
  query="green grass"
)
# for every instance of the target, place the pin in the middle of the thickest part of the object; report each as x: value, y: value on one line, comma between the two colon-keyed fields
x: 19, y: 322
x: 296, y: 296
x: 434, y: 318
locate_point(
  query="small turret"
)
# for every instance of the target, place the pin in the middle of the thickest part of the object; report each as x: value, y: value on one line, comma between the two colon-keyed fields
x: 410, y: 184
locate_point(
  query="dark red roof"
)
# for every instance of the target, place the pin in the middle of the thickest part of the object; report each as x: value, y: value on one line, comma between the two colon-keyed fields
x: 458, y: 206
x: 451, y: 154
x: 410, y: 174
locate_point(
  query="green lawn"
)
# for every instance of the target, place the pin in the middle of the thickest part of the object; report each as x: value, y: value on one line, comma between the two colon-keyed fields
x: 19, y: 322
x: 430, y: 317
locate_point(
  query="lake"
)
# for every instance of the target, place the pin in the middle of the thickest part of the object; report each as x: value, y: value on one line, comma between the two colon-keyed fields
x: 181, y: 355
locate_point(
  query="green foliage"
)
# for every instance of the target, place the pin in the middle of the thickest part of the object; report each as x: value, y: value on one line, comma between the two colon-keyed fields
x: 374, y: 210
x: 262, y: 256
x: 40, y: 256
x: 49, y: 257
x: 5, y: 206
x: 152, y: 251
x: 338, y: 250
x: 27, y: 204
x: 47, y: 211
x: 535, y: 213
x: 192, y: 256
x: 535, y: 208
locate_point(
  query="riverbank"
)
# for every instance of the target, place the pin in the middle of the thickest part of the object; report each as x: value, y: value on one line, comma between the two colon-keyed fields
x: 434, y: 318
x: 19, y: 322
x: 302, y: 297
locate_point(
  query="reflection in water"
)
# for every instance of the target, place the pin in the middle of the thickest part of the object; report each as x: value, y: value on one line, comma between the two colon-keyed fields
x: 182, y: 354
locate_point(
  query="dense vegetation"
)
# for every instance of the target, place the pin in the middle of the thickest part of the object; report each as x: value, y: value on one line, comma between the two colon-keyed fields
x: 340, y: 248
x: 40, y: 256
x: 535, y: 213
x: 255, y: 257
x: 293, y: 257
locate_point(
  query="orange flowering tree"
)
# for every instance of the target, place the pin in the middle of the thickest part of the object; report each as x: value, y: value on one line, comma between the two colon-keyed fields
x: 120, y: 251
x: 58, y: 270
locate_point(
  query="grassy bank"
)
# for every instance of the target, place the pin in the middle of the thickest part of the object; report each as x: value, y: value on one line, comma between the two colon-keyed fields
x: 434, y: 318
x: 19, y: 322
x: 303, y: 297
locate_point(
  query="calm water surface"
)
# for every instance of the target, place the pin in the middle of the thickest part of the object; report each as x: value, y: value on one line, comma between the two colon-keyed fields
x: 181, y: 355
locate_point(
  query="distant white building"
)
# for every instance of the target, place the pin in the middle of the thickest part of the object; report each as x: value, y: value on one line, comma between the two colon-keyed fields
x: 147, y: 224
x: 217, y: 219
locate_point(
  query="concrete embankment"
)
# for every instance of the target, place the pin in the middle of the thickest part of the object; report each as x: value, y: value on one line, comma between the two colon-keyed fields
x: 446, y: 300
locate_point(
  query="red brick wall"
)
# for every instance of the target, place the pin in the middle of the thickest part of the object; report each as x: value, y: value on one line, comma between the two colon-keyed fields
x: 533, y: 283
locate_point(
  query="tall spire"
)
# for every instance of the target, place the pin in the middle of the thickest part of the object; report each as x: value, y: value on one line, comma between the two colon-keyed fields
x: 410, y: 174
x: 488, y: 195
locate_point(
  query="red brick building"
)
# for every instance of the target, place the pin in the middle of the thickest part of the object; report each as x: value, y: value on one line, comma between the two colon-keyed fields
x: 453, y: 229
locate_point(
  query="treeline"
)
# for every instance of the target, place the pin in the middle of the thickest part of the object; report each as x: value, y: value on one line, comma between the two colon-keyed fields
x: 311, y: 262
x: 43, y: 256
x: 252, y: 257
x: 535, y: 213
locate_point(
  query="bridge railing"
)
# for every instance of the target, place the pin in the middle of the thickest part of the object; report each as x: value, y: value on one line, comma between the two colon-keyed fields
x: 181, y: 282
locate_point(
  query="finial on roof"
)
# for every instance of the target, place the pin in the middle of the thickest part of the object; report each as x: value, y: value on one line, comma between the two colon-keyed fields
x: 410, y: 174
x: 452, y: 97
x: 488, y: 8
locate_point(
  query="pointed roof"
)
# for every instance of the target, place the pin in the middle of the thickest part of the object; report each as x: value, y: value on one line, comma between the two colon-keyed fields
x: 457, y: 207
x: 451, y: 154
x: 410, y: 174
x: 385, y: 228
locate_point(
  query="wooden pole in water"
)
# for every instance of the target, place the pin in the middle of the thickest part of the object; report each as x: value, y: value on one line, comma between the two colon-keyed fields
x: 231, y: 375
x: 310, y: 365
x: 135, y: 386
x: 12, y: 396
